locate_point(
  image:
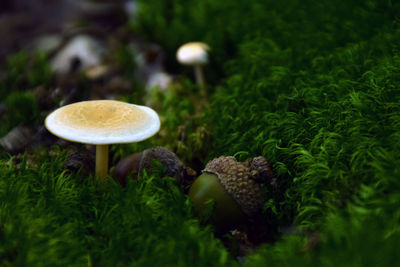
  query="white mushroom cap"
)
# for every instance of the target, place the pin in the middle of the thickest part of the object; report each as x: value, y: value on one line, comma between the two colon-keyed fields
x: 193, y: 53
x: 101, y: 122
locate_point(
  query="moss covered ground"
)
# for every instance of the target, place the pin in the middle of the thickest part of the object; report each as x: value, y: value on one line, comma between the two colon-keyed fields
x: 313, y: 87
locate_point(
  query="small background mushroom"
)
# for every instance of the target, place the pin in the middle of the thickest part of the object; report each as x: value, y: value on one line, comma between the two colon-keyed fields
x: 195, y: 54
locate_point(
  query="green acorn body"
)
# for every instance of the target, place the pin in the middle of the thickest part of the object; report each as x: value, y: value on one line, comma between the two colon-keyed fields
x: 235, y: 188
x: 226, y: 211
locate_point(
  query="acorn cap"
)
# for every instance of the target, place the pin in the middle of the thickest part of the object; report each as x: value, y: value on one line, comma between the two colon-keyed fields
x: 237, y: 180
x: 194, y: 53
x: 101, y: 122
x: 260, y: 169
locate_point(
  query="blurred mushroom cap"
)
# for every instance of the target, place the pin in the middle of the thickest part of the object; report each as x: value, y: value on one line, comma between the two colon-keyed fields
x: 193, y: 53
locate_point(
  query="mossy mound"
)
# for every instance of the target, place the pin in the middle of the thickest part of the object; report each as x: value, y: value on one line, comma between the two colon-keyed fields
x: 313, y: 87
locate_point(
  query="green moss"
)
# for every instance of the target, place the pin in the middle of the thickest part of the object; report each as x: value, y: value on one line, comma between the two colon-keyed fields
x: 363, y: 239
x: 314, y: 89
x: 50, y: 218
x: 183, y: 131
x: 324, y: 132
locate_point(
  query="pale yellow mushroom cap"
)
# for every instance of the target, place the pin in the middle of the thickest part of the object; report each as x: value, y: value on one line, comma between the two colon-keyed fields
x: 101, y: 122
x: 193, y: 53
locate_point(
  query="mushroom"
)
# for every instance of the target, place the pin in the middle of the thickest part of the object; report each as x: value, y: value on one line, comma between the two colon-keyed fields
x: 101, y: 123
x: 195, y: 54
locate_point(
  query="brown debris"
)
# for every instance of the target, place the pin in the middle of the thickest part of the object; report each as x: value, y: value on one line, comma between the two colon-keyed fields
x: 80, y: 160
x: 18, y: 139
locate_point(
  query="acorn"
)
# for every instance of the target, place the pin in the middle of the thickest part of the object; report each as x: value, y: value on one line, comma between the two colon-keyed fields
x: 127, y: 166
x: 260, y: 169
x: 235, y: 187
x: 135, y: 164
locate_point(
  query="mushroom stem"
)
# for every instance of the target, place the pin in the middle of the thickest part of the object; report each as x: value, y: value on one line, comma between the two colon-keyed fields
x: 102, y: 163
x: 200, y: 80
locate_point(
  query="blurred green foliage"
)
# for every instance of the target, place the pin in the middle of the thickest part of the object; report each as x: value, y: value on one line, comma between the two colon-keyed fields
x: 23, y: 73
x: 22, y: 108
x: 302, y: 29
